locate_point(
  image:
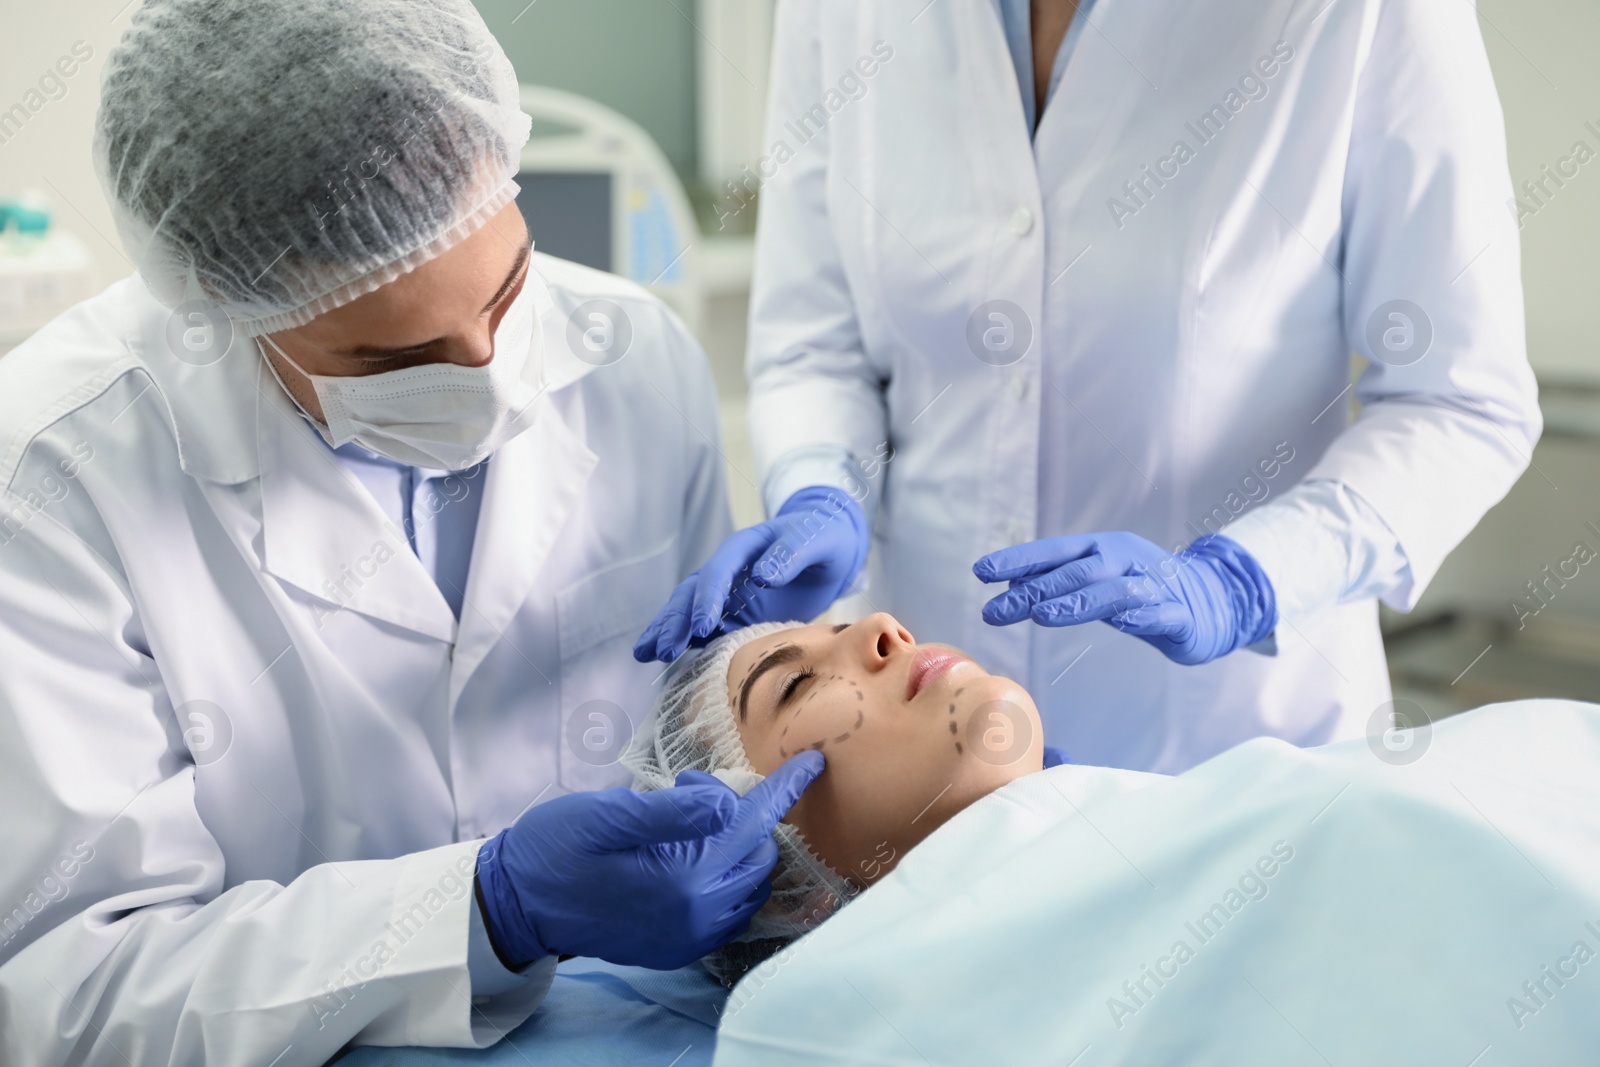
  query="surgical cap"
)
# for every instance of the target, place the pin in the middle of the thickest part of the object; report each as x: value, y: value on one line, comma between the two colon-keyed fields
x: 694, y: 729
x: 280, y: 158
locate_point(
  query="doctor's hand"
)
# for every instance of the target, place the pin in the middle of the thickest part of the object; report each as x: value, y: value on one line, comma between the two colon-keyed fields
x: 1203, y: 602
x: 654, y: 879
x: 787, y: 569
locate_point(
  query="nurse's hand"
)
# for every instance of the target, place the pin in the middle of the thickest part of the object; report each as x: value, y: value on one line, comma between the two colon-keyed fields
x: 643, y: 879
x: 787, y: 569
x: 1204, y: 602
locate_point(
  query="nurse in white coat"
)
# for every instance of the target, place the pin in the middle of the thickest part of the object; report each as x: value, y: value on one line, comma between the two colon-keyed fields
x: 1066, y: 296
x: 322, y: 543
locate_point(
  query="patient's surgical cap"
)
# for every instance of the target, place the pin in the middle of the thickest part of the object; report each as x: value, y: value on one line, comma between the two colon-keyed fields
x: 694, y: 729
x: 279, y: 158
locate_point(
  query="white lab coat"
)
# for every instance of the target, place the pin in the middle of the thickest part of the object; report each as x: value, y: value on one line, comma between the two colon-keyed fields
x: 1185, y: 337
x: 244, y: 737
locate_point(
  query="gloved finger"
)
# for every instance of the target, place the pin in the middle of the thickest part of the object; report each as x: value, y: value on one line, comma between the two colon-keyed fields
x: 1101, y: 600
x: 764, y: 807
x: 672, y: 619
x: 752, y: 871
x: 745, y: 888
x: 1016, y: 603
x: 1158, y: 620
x: 734, y: 920
x: 1054, y: 757
x: 673, y: 635
x: 632, y: 820
x: 719, y: 573
x: 1003, y: 610
x: 1033, y: 557
x: 686, y: 778
x: 802, y: 547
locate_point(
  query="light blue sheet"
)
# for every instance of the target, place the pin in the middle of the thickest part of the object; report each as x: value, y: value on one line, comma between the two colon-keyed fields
x: 1427, y: 897
x: 595, y: 1015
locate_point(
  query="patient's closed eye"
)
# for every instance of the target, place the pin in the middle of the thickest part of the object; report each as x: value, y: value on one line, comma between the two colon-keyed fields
x: 792, y: 685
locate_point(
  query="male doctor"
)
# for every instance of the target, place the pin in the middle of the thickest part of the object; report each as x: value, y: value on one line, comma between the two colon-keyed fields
x: 1064, y: 294
x: 323, y: 540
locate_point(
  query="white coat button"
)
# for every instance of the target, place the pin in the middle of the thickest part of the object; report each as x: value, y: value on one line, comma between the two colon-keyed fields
x: 1021, y: 221
x: 1019, y: 384
x: 1016, y: 533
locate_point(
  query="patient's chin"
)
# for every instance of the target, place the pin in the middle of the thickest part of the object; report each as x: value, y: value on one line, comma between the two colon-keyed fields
x: 1001, y: 731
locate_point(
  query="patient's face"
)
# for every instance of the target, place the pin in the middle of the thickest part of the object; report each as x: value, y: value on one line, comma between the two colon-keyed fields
x: 912, y: 734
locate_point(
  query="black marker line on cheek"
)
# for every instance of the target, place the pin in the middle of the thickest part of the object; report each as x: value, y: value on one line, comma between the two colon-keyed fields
x: 958, y: 747
x: 952, y: 727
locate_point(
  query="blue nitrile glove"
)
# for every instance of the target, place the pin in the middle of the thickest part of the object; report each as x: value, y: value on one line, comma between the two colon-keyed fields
x: 1054, y: 757
x: 787, y: 569
x: 1204, y: 602
x: 653, y: 879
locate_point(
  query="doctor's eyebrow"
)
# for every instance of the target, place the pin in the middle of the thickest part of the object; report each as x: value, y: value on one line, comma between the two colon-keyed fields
x: 377, y: 352
x: 511, y: 278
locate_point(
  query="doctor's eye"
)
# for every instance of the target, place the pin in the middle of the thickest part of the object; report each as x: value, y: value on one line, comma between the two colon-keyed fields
x: 388, y: 359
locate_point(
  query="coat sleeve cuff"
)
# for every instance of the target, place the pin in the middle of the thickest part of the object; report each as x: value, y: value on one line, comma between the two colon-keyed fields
x: 434, y: 923
x: 819, y: 465
x: 1320, y: 545
x: 489, y: 973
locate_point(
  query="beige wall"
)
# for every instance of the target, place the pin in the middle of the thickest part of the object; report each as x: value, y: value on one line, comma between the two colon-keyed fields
x: 50, y: 152
x: 1543, y: 53
x: 1544, y: 58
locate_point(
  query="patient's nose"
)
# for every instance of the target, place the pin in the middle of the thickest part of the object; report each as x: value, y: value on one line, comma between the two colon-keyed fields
x: 878, y: 638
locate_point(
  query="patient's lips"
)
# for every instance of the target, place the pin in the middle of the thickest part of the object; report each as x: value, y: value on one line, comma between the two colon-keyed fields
x: 929, y: 663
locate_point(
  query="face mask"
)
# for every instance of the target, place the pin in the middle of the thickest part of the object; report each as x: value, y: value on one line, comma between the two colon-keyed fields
x: 438, y: 415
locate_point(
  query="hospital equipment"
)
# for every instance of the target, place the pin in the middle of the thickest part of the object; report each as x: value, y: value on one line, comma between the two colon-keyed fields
x: 789, y: 568
x: 43, y: 269
x: 596, y: 189
x: 657, y: 879
x: 277, y: 196
x: 1194, y: 605
x: 694, y: 733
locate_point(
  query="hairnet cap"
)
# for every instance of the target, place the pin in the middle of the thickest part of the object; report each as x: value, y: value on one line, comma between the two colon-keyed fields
x: 694, y: 729
x: 279, y: 158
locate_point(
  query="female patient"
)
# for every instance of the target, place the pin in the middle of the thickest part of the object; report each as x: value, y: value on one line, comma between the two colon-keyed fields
x: 912, y: 734
x: 1269, y: 863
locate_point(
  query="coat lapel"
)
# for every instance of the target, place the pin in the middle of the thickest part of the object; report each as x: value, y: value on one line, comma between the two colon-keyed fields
x: 324, y: 534
x: 535, y: 482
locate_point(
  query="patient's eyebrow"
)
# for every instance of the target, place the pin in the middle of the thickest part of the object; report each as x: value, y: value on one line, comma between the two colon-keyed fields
x: 785, y: 653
